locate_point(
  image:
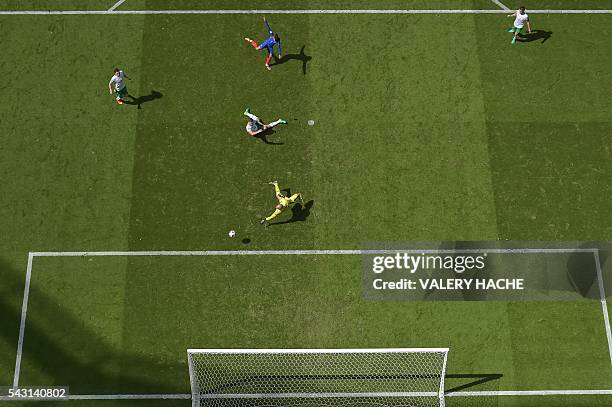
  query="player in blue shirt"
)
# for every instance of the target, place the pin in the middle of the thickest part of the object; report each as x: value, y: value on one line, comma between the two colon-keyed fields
x: 272, y: 40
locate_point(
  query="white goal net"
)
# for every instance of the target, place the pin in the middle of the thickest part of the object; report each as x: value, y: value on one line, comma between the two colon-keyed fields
x: 317, y: 377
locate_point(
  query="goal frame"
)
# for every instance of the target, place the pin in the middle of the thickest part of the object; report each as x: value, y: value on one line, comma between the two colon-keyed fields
x: 195, y: 391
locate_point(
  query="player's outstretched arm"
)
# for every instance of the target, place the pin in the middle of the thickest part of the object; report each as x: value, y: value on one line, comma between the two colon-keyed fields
x: 529, y: 26
x: 513, y: 14
x: 110, y: 86
x: 254, y: 133
x: 268, y: 26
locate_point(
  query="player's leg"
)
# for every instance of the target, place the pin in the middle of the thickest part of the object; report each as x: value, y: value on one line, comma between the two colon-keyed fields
x: 253, y: 43
x: 121, y: 94
x: 276, y: 123
x: 250, y: 115
x: 276, y: 187
x: 269, y: 218
x: 274, y: 215
x: 268, y: 59
x: 517, y: 32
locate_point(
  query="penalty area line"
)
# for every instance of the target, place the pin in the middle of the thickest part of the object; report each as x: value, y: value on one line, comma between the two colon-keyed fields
x: 24, y: 312
x: 501, y: 5
x: 303, y: 252
x: 604, y: 303
x: 117, y: 4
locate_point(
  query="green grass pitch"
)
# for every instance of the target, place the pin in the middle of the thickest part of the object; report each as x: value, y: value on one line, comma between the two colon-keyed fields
x: 428, y: 127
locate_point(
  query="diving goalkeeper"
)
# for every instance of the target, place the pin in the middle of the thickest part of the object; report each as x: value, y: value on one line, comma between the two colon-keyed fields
x: 283, y: 202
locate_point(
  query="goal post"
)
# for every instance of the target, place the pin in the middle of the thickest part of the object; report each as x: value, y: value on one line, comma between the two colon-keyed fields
x: 406, y: 377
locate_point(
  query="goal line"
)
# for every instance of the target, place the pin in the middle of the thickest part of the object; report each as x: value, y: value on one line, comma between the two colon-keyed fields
x: 501, y: 393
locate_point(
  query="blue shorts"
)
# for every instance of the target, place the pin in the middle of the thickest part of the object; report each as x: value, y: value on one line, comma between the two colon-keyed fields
x: 269, y: 44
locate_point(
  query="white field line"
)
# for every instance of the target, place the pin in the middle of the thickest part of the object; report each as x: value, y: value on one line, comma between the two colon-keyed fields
x: 128, y: 396
x: 529, y: 393
x: 24, y: 311
x: 501, y: 5
x: 300, y: 252
x: 453, y: 394
x: 315, y: 351
x: 117, y: 4
x: 604, y: 304
x: 285, y: 252
x: 115, y: 12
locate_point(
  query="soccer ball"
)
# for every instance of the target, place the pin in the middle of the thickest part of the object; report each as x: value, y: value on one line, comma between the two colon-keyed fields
x: 232, y: 233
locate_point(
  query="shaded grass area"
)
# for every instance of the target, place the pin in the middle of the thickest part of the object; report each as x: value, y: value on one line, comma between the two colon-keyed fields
x: 550, y: 184
x: 66, y: 150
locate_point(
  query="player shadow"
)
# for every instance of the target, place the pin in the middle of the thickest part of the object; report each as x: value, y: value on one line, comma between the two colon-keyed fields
x: 288, y: 57
x: 60, y: 345
x: 143, y: 99
x: 263, y: 136
x: 534, y: 36
x: 481, y: 378
x: 299, y: 213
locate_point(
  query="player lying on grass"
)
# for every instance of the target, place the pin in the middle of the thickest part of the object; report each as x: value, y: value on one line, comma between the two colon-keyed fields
x: 520, y: 18
x: 120, y: 87
x: 269, y: 44
x: 283, y: 202
x: 256, y: 126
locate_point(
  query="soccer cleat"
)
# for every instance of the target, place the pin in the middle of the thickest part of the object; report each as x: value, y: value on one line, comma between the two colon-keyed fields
x: 268, y: 67
x: 513, y: 40
x: 273, y: 182
x: 120, y: 101
x: 248, y: 39
x: 281, y: 121
x: 263, y: 222
x: 247, y: 111
x: 511, y: 30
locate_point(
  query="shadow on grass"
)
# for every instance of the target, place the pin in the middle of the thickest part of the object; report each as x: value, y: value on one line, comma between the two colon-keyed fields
x: 143, y: 99
x: 272, y: 380
x: 59, y: 356
x: 299, y: 213
x: 263, y: 136
x: 535, y: 36
x: 290, y: 57
x: 481, y: 378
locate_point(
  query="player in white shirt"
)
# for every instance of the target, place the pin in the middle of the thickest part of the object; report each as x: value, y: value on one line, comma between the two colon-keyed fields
x: 256, y: 126
x: 520, y: 18
x: 118, y: 80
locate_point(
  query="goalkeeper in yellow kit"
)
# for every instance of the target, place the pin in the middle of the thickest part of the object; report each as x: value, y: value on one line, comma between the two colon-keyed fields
x: 284, y: 202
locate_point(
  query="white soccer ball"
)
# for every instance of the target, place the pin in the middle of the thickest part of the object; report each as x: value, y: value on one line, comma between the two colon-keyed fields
x: 231, y: 233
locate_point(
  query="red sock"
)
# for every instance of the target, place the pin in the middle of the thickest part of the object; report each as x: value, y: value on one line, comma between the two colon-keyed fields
x: 268, y: 59
x: 254, y: 44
